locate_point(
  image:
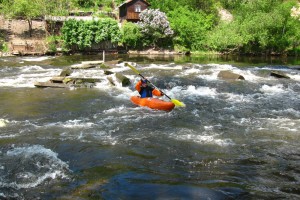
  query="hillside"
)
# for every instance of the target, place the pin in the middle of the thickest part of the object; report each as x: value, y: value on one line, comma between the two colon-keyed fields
x: 269, y: 27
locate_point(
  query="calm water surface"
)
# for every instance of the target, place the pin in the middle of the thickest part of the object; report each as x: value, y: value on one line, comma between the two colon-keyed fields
x: 234, y: 139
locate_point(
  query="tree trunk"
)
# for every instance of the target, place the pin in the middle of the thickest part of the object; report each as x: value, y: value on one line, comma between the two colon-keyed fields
x: 30, y: 27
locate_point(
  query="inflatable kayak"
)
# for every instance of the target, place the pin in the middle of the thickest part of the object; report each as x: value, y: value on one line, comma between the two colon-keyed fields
x: 153, y: 103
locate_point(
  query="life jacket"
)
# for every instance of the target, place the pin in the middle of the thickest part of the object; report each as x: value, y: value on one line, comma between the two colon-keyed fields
x: 147, y: 91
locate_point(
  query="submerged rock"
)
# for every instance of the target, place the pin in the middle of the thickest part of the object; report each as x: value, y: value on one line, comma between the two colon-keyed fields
x: 64, y: 80
x: 66, y: 72
x: 123, y: 79
x: 230, y: 75
x: 279, y: 74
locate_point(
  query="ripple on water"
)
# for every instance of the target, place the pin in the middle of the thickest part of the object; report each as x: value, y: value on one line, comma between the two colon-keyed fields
x: 27, y: 166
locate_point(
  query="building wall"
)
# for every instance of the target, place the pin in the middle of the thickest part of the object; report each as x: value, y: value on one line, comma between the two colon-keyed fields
x: 131, y: 10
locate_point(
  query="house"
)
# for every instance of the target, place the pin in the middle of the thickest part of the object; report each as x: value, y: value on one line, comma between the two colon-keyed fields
x: 131, y: 9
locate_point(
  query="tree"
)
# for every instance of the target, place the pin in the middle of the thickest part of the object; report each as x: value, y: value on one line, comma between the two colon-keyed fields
x: 206, y: 6
x: 190, y: 27
x: 131, y: 35
x: 155, y: 26
x: 225, y: 37
x: 32, y: 9
x: 27, y: 9
x: 259, y: 26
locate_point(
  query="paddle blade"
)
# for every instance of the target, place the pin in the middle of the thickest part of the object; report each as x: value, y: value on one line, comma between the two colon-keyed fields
x: 133, y: 69
x: 178, y: 103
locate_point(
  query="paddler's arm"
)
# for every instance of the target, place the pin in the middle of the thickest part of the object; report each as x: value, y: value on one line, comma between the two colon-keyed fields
x: 157, y: 92
x: 138, y: 86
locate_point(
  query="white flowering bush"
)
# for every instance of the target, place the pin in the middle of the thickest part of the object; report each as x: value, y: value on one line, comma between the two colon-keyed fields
x: 295, y: 11
x: 155, y: 26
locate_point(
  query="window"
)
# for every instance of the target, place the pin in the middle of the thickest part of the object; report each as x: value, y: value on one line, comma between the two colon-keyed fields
x: 137, y: 8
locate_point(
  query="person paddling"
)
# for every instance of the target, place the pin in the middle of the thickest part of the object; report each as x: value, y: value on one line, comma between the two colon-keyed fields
x: 145, y: 90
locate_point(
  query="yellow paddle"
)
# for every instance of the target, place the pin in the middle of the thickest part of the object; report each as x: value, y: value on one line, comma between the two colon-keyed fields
x: 175, y: 101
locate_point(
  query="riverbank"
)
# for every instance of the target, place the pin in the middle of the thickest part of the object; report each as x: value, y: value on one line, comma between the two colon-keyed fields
x: 17, y: 40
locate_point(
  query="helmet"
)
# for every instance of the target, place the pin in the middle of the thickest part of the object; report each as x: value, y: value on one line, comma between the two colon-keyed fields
x: 144, y: 80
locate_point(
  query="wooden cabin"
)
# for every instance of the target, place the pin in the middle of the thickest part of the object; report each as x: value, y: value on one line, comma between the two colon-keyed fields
x: 131, y: 9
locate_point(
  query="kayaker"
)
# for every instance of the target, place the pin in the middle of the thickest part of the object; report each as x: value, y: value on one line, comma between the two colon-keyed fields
x: 146, y: 90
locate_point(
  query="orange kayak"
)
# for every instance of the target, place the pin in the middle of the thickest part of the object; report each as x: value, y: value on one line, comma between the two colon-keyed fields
x: 153, y: 103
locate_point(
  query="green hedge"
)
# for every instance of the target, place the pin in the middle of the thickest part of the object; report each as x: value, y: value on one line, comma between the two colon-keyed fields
x: 85, y: 33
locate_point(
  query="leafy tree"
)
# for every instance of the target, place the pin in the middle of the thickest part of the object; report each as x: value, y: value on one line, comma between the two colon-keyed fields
x: 264, y: 26
x: 207, y: 6
x: 31, y: 9
x: 231, y: 4
x: 155, y: 26
x: 131, y: 35
x: 190, y: 27
x: 225, y: 37
x: 57, y: 7
x: 28, y: 9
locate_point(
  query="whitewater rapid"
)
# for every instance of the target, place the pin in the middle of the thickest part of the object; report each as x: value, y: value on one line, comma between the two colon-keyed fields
x: 41, y: 129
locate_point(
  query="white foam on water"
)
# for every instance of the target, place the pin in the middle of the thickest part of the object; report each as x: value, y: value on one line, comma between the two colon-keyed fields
x: 279, y: 125
x: 192, y: 71
x: 221, y: 66
x: 3, y: 123
x: 31, y: 68
x: 72, y: 124
x: 163, y: 67
x: 77, y: 124
x: 272, y: 90
x: 121, y: 67
x: 295, y: 77
x: 106, y: 137
x: 205, y: 138
x: 123, y: 114
x: 37, y: 165
x: 36, y: 59
x: 8, y: 136
x: 213, y: 76
x: 200, y: 91
x: 120, y: 109
x: 250, y: 76
x: 210, y: 72
x: 88, y: 73
x: 237, y: 98
x: 286, y: 124
x: 290, y: 111
x: 26, y: 76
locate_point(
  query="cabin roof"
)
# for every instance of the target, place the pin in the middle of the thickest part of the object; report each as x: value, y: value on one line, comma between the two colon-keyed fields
x: 129, y: 1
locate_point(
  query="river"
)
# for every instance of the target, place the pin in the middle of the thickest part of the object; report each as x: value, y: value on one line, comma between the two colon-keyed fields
x: 233, y: 140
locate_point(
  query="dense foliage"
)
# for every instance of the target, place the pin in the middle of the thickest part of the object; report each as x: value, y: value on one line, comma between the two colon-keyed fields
x: 260, y: 26
x: 256, y: 26
x: 85, y: 33
x: 189, y: 34
x: 131, y: 35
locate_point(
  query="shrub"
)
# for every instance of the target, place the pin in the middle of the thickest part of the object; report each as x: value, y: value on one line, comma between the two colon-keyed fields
x: 155, y: 27
x: 85, y: 33
x: 131, y: 35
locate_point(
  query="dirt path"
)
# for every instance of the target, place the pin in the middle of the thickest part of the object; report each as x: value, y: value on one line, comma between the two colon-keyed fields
x: 16, y: 34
